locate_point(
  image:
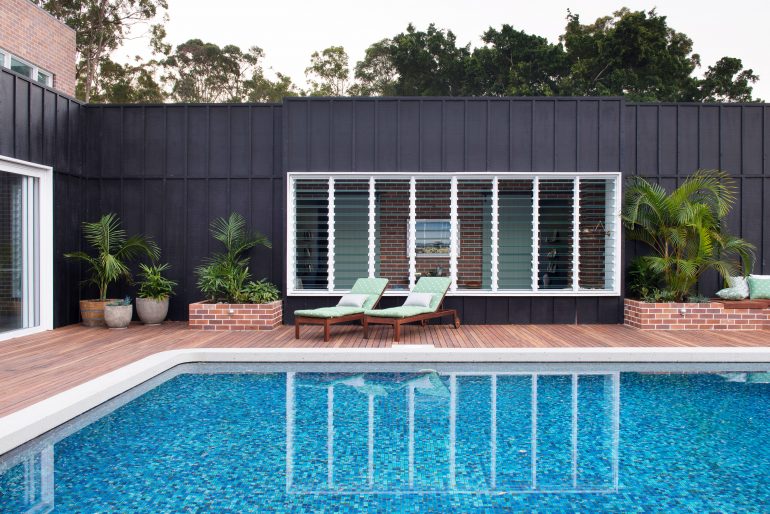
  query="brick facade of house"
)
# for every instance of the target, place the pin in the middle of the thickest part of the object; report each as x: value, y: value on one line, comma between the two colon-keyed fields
x: 32, y: 34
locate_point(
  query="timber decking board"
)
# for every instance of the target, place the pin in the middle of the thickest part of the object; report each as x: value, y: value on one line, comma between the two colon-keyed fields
x: 35, y: 367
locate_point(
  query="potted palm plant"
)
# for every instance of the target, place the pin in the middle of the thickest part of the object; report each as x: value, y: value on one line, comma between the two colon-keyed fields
x: 686, y: 235
x: 111, y: 252
x: 154, y: 293
x: 233, y: 301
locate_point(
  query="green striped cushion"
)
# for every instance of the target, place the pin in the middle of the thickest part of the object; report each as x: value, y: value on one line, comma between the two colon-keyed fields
x: 371, y: 286
x: 399, y: 312
x: 328, y: 312
x: 436, y: 285
x: 368, y: 286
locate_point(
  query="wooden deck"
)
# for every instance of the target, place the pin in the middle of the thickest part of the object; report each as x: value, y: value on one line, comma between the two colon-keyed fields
x: 35, y: 367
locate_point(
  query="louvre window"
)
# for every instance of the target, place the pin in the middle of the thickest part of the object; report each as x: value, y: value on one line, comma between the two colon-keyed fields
x: 505, y: 233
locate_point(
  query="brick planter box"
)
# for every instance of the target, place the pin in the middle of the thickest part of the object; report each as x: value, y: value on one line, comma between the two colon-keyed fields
x: 235, y: 316
x: 692, y: 316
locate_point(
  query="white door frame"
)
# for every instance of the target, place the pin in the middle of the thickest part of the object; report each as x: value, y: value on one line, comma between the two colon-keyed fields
x: 44, y: 282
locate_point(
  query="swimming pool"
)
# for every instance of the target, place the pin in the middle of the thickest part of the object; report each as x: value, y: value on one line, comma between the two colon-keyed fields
x: 411, y: 437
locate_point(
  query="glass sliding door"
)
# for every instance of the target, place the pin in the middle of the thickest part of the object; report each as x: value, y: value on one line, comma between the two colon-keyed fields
x: 18, y: 253
x: 25, y: 248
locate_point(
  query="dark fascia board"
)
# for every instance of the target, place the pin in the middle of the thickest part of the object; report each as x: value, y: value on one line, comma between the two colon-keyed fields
x: 41, y: 86
x: 701, y: 104
x: 180, y: 104
x: 445, y: 98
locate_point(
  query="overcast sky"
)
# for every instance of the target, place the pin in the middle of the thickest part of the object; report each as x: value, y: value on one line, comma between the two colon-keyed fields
x: 289, y: 32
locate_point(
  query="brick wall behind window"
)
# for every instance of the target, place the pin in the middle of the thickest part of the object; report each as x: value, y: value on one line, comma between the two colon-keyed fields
x: 29, y: 32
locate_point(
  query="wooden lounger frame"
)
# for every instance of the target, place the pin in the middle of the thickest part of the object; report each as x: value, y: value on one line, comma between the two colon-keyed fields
x: 421, y: 318
x: 328, y: 322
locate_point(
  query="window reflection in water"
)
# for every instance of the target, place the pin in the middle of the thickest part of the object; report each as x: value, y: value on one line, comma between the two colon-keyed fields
x: 469, y: 432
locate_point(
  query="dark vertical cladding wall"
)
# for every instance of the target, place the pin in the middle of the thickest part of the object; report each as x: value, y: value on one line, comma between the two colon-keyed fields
x: 168, y: 170
x: 667, y: 142
x: 464, y: 134
x: 42, y: 126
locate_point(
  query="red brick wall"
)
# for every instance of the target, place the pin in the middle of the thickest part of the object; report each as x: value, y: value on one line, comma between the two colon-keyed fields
x: 34, y: 35
x: 697, y: 316
x: 244, y: 316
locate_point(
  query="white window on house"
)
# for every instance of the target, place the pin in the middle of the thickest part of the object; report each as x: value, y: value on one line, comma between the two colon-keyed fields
x: 493, y: 234
x: 23, y: 67
x: 26, y: 280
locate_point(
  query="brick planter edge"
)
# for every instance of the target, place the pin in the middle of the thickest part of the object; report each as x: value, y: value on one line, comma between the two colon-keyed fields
x: 235, y: 316
x: 696, y: 316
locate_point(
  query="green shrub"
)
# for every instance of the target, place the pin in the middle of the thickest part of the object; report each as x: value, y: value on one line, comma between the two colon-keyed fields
x: 121, y: 303
x: 260, y: 291
x: 153, y: 284
x: 643, y: 280
x: 659, y: 296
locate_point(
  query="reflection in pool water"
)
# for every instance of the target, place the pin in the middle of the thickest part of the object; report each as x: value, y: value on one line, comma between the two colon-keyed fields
x: 436, y: 398
x: 460, y: 438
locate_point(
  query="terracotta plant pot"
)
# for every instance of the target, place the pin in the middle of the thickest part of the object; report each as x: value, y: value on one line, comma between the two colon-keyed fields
x: 151, y: 312
x: 92, y: 312
x: 118, y: 316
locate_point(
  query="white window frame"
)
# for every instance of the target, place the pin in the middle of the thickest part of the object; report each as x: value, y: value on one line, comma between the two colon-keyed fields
x: 43, y: 293
x: 6, y: 63
x: 494, y: 178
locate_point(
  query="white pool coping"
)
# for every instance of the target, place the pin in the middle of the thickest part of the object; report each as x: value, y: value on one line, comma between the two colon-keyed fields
x: 30, y: 422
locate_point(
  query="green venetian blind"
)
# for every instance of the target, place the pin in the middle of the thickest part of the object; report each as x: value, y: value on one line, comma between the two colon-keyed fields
x: 514, y: 241
x: 351, y: 232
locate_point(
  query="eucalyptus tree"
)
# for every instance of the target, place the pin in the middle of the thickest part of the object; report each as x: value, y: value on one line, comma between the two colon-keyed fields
x: 101, y: 27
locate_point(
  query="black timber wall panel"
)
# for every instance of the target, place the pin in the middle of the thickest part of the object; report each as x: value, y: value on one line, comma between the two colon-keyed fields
x: 463, y: 134
x: 168, y: 170
x: 42, y: 126
x: 667, y: 142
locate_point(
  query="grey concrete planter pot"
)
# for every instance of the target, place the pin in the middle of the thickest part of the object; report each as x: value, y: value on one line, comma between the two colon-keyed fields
x: 151, y: 312
x: 118, y: 316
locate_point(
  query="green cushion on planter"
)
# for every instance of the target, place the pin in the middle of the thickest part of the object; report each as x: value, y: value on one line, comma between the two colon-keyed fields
x: 730, y: 293
x: 759, y: 288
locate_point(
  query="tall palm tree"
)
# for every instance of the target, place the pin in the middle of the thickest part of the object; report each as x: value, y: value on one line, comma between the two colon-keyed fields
x: 113, y: 251
x: 685, y: 228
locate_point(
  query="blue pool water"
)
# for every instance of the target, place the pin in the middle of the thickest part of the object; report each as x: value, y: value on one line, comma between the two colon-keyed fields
x: 465, y: 439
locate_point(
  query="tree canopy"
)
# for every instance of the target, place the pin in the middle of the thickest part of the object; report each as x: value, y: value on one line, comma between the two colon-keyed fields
x: 635, y: 54
x: 101, y: 27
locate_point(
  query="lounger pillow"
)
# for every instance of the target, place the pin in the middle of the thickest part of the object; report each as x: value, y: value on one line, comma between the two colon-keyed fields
x: 352, y: 300
x: 418, y: 300
x: 730, y: 293
x: 741, y: 284
x: 759, y: 287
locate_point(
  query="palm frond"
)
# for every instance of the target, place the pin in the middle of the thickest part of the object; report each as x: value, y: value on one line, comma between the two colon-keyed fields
x: 685, y: 228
